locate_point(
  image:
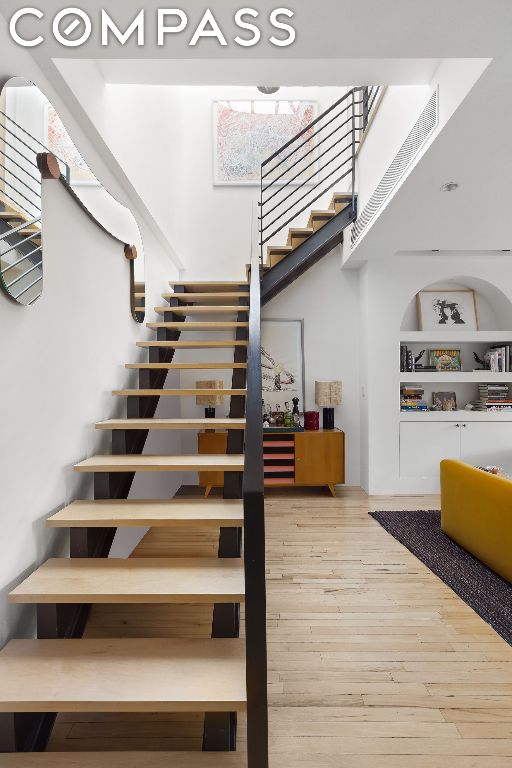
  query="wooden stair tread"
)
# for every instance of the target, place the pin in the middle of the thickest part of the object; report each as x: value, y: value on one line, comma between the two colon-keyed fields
x: 178, y: 392
x: 162, y: 463
x: 185, y: 366
x: 112, y: 513
x: 12, y: 216
x: 192, y: 344
x: 212, y: 286
x: 192, y: 326
x: 199, y: 309
x: 214, y: 297
x: 152, y: 424
x: 279, y: 249
x: 123, y: 675
x: 134, y: 580
x: 129, y: 759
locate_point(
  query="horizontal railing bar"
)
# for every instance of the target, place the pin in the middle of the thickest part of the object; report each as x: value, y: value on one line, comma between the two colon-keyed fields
x: 311, y: 124
x: 12, y: 160
x: 25, y: 224
x: 18, y: 138
x: 23, y: 274
x: 315, y: 160
x: 32, y: 161
x: 13, y: 200
x: 20, y: 180
x: 322, y: 128
x: 35, y: 299
x: 309, y: 152
x: 31, y: 137
x: 30, y: 202
x: 28, y: 288
x: 9, y: 118
x: 14, y: 247
x: 23, y: 258
x: 308, y: 204
x: 294, y: 191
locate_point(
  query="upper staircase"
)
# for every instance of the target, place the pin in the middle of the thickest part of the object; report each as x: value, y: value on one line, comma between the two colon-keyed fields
x: 298, y: 180
x: 64, y: 672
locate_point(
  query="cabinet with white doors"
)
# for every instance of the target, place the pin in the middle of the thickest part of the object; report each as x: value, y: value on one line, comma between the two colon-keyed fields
x: 424, y: 444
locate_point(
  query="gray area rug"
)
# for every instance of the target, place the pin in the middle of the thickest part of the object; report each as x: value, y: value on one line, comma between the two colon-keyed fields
x: 483, y: 590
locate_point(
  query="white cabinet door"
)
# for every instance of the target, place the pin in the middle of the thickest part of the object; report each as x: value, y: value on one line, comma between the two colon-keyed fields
x: 483, y: 444
x: 423, y: 445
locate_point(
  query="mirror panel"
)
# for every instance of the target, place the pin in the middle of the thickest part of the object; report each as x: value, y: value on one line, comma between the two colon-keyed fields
x: 29, y: 125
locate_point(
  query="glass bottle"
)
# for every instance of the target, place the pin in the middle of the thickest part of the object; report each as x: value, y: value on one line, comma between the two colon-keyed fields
x: 288, y: 416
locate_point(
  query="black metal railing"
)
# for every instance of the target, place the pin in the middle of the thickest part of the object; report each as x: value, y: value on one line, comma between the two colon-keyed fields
x: 310, y: 164
x: 21, y: 251
x: 254, y: 539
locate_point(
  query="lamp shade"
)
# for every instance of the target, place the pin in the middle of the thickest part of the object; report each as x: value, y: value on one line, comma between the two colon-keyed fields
x: 328, y: 393
x: 213, y: 399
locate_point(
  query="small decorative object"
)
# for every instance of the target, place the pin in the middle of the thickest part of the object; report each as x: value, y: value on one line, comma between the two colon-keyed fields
x: 418, y: 358
x: 445, y: 310
x: 210, y: 401
x: 278, y: 415
x: 296, y: 412
x: 311, y: 421
x: 328, y: 395
x: 479, y: 361
x: 446, y: 359
x: 288, y: 416
x: 444, y: 401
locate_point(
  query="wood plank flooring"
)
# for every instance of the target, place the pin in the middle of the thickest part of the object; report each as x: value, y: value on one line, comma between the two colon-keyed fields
x: 373, y: 661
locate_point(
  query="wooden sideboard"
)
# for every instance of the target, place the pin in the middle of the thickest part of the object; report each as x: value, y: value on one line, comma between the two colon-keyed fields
x: 290, y: 458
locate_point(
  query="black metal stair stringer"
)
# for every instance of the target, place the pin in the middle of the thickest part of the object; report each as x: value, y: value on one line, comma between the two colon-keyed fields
x: 308, y: 253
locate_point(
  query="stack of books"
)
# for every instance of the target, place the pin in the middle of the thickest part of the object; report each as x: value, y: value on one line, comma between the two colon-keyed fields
x: 411, y: 399
x: 497, y: 359
x: 493, y: 397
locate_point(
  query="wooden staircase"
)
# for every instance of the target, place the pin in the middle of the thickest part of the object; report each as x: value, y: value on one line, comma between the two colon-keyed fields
x: 297, y: 236
x: 63, y: 672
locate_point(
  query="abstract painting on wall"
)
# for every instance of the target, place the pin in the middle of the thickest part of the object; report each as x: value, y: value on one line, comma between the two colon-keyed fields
x: 245, y: 133
x: 59, y: 142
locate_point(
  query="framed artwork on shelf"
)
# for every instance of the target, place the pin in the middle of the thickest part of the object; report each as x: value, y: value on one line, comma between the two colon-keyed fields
x: 442, y: 310
x: 282, y: 361
x: 444, y: 401
x: 245, y: 133
x: 446, y: 359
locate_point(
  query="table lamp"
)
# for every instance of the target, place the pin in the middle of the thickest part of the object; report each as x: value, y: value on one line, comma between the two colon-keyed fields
x: 210, y: 401
x: 327, y: 395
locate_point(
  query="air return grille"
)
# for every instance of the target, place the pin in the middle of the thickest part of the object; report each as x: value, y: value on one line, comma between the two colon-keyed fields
x: 424, y: 126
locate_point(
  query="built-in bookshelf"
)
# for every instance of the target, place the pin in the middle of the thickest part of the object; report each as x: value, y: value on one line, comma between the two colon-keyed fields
x: 466, y: 382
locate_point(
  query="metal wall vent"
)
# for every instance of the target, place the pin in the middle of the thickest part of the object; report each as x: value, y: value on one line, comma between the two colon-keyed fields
x: 421, y: 131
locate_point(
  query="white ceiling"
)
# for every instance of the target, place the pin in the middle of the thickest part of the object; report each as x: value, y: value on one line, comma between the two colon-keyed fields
x: 475, y: 150
x: 297, y: 72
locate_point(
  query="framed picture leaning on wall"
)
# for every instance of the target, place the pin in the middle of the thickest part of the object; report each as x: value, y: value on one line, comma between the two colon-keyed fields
x: 447, y: 310
x: 282, y: 361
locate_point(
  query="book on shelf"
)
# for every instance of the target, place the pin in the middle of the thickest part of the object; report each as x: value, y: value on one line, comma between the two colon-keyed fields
x: 492, y: 397
x: 411, y: 399
x: 498, y: 358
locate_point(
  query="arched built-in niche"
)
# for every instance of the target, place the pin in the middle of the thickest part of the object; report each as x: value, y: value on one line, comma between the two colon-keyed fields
x: 494, y: 308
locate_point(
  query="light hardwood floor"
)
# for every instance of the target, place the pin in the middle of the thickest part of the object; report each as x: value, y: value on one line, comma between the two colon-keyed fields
x: 373, y: 661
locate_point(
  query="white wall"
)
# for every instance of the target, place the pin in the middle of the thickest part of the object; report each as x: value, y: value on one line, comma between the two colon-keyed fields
x: 61, y: 359
x: 327, y: 299
x: 211, y: 225
x: 390, y: 287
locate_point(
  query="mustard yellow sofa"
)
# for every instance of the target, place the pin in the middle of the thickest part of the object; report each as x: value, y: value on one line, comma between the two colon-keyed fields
x: 476, y: 512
